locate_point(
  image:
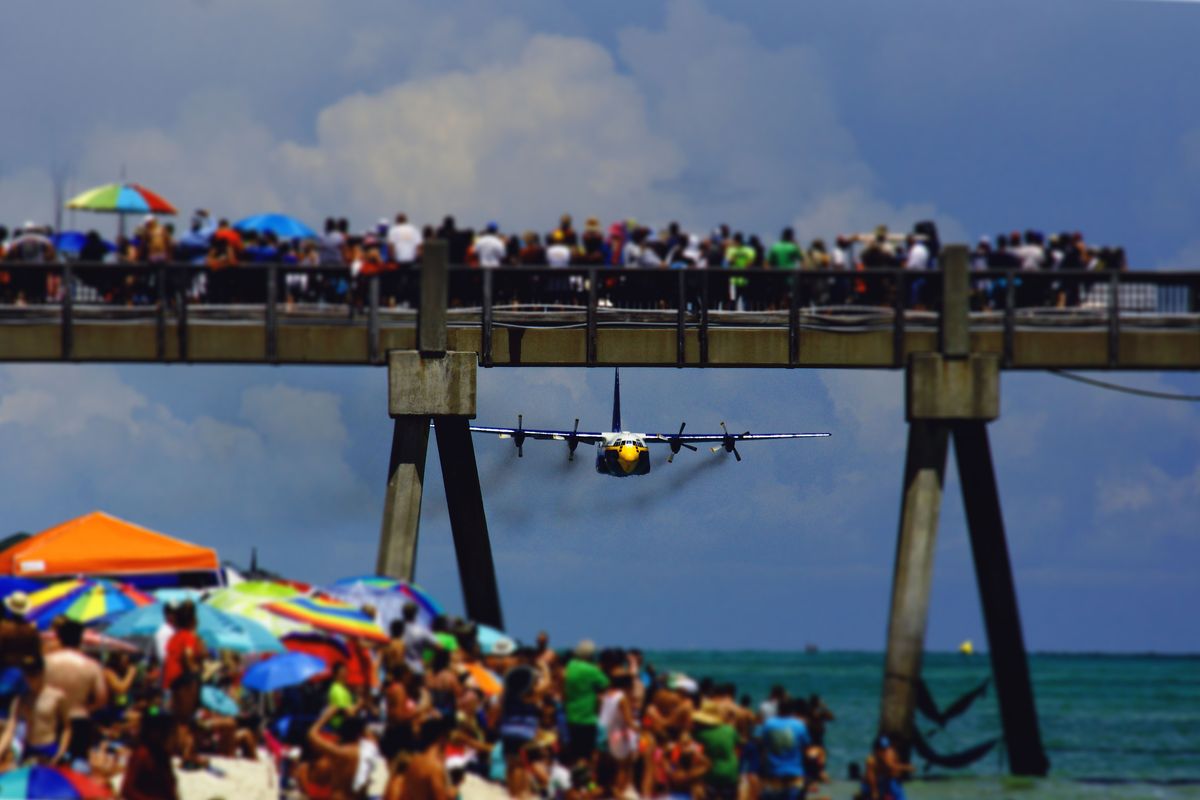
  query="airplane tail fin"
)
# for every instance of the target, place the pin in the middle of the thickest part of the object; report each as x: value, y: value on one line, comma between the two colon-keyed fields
x: 616, y: 420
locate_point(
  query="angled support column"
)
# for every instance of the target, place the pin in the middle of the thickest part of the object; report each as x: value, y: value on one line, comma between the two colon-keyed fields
x: 924, y: 474
x: 464, y: 499
x: 998, y: 596
x: 402, y: 502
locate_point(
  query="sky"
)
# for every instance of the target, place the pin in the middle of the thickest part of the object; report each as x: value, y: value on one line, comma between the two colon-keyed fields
x: 1061, y: 115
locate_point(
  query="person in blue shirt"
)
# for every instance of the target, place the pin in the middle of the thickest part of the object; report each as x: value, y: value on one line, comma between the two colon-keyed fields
x: 783, y: 740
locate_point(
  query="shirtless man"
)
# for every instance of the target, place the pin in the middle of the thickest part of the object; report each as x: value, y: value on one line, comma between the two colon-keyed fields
x: 81, y: 680
x: 342, y: 753
x: 426, y: 778
x: 37, y: 721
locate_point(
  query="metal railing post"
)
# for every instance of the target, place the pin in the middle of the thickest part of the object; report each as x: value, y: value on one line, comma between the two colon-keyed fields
x: 703, y: 333
x: 372, y: 319
x: 681, y: 320
x: 68, y: 313
x: 591, y: 317
x: 794, y: 321
x: 1114, y: 318
x: 160, y: 315
x: 271, y: 314
x: 1010, y: 302
x: 488, y: 299
x: 181, y: 323
x: 899, y: 321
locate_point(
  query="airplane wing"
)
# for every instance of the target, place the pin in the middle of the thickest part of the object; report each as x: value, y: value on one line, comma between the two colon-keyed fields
x: 700, y: 438
x: 587, y: 437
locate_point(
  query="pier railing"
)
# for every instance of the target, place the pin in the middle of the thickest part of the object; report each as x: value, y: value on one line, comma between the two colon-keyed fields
x: 173, y: 296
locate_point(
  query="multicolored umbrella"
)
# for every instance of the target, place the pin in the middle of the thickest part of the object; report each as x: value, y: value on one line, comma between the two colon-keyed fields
x: 428, y: 607
x: 329, y: 615
x: 281, y: 225
x: 50, y: 783
x: 248, y: 600
x: 121, y: 198
x: 84, y: 601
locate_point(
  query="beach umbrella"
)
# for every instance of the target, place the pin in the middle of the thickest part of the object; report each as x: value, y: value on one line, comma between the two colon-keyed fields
x: 248, y: 600
x: 218, y: 629
x: 281, y: 671
x: 283, y: 226
x: 492, y: 641
x: 218, y: 702
x: 50, y: 783
x: 84, y: 601
x: 329, y: 615
x: 484, y: 679
x: 121, y: 198
x: 388, y: 595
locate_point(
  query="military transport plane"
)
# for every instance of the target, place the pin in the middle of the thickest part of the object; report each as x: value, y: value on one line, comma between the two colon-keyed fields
x: 621, y: 453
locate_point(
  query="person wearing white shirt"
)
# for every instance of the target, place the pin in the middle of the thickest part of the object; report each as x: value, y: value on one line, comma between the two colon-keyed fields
x: 490, y: 249
x: 558, y: 254
x: 918, y: 254
x: 404, y: 238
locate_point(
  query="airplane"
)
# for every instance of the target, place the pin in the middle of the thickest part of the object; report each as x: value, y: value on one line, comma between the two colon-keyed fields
x: 621, y: 453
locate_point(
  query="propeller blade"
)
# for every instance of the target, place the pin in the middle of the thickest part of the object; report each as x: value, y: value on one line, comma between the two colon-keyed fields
x: 736, y: 454
x: 682, y: 425
x: 576, y: 426
x: 570, y: 455
x: 715, y: 449
x: 520, y: 451
x: 670, y: 458
x: 691, y: 447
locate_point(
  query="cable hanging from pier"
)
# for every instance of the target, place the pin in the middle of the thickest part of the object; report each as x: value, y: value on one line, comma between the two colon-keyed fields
x: 1116, y: 387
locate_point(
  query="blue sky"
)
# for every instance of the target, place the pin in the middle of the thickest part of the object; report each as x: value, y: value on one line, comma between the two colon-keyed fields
x: 832, y: 117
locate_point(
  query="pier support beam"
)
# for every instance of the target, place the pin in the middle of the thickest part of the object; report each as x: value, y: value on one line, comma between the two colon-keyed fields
x: 954, y: 393
x: 432, y: 384
x: 924, y: 471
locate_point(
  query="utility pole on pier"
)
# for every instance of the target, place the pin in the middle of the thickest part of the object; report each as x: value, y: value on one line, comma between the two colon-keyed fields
x: 953, y: 394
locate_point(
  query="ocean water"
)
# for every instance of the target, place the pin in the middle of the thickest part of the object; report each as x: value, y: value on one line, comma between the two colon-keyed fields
x: 1120, y: 726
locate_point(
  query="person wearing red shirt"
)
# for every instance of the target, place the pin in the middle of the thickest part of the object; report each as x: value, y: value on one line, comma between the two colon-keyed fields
x: 181, y: 676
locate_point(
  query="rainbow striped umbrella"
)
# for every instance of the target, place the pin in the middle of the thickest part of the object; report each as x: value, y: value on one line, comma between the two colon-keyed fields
x: 374, y: 583
x: 121, y: 198
x: 50, y: 783
x: 329, y: 615
x: 83, y: 601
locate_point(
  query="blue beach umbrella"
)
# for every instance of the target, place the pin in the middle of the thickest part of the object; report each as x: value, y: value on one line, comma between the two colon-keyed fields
x: 281, y: 225
x: 218, y: 702
x: 219, y: 630
x: 279, y: 672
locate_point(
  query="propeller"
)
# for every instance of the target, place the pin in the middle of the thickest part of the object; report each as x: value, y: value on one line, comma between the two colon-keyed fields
x: 676, y: 444
x: 519, y: 437
x: 729, y: 442
x: 573, y: 441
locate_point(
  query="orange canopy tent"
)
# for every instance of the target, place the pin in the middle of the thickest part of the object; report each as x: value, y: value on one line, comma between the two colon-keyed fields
x: 100, y: 544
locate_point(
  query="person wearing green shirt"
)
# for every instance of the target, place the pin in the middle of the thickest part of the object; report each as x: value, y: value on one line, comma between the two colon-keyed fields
x: 785, y: 254
x: 720, y: 742
x: 582, y: 683
x: 340, y: 697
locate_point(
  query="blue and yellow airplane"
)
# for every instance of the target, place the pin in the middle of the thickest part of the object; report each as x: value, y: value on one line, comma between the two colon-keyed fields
x: 621, y: 453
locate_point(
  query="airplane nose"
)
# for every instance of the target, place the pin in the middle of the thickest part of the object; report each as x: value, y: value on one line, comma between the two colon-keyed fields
x: 628, y: 453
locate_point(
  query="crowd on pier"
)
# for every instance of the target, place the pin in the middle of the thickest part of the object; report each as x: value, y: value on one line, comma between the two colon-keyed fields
x: 336, y: 265
x: 410, y: 716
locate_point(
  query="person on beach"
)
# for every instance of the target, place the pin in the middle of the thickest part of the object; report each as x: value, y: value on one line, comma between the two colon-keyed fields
x: 81, y: 679
x: 148, y: 775
x: 783, y: 742
x: 883, y: 772
x: 426, y: 777
x: 181, y: 679
x: 583, y: 682
x: 38, y: 730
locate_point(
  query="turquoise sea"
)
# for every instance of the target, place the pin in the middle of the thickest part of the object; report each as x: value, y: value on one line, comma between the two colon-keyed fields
x: 1121, y: 726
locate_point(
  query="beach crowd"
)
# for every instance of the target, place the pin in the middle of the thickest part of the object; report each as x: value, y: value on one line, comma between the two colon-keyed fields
x: 408, y: 716
x: 335, y: 264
